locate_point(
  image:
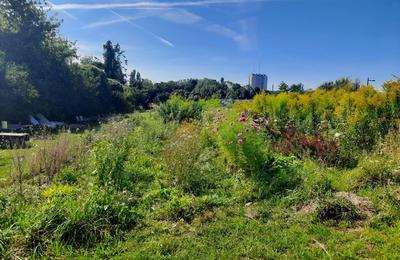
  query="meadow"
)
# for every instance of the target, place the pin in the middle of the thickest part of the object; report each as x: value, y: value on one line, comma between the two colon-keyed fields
x: 286, y: 175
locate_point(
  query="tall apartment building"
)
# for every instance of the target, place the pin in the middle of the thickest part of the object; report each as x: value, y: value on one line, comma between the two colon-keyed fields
x: 258, y: 81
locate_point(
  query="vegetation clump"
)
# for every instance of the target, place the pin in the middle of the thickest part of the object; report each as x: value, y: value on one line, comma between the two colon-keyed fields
x: 338, y: 209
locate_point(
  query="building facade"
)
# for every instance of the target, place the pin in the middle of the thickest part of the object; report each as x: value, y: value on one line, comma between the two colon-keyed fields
x: 258, y: 81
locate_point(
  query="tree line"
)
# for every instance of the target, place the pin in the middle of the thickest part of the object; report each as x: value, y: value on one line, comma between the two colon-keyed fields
x: 40, y: 72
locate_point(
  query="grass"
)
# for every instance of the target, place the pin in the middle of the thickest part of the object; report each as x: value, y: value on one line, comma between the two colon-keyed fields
x: 144, y: 187
x: 5, y: 164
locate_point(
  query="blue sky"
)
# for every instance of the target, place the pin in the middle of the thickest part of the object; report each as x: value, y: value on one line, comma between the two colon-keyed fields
x: 309, y: 41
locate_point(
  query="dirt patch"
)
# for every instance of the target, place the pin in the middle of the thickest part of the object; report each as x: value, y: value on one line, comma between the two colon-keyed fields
x: 308, y: 209
x: 363, y: 204
x: 342, y: 206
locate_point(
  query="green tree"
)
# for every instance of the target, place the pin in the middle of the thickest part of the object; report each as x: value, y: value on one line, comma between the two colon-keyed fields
x: 114, y: 61
x: 340, y: 83
x: 29, y: 40
x: 283, y: 87
x: 297, y: 88
x: 132, y: 79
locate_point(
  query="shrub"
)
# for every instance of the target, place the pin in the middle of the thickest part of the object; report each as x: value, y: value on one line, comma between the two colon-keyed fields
x: 245, y: 145
x: 280, y: 174
x: 241, y: 141
x: 68, y: 175
x: 177, y: 109
x: 349, y: 152
x: 180, y: 208
x: 317, y: 146
x: 109, y: 164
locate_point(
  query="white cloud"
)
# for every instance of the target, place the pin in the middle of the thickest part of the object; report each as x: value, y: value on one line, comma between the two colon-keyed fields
x: 246, y: 38
x: 180, y: 16
x: 225, y: 31
x: 74, y: 6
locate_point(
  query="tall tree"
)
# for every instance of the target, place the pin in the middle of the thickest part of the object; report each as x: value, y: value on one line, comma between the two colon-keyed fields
x: 114, y: 61
x: 132, y: 79
x: 297, y: 88
x: 283, y: 87
x: 29, y: 39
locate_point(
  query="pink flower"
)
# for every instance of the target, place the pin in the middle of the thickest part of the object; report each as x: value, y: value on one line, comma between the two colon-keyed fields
x: 242, y: 119
x: 240, y: 141
x: 264, y: 121
x: 255, y: 125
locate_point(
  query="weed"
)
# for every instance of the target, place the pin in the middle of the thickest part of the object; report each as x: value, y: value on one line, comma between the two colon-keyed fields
x: 51, y: 157
x: 177, y: 109
x: 189, y: 164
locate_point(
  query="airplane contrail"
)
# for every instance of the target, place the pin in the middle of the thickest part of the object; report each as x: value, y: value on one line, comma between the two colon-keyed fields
x: 161, y: 39
x: 74, y: 6
x: 63, y: 11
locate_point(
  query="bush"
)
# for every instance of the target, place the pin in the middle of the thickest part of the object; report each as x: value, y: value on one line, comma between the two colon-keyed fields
x: 68, y: 175
x: 280, y: 174
x: 177, y: 109
x: 242, y: 143
x: 246, y: 147
x: 317, y: 146
x: 180, y: 208
x: 109, y: 162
